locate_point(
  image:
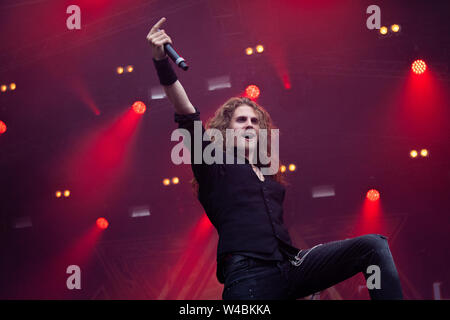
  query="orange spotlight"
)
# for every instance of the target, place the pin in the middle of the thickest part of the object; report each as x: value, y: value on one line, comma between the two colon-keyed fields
x: 12, y: 86
x: 175, y: 180
x: 259, y: 48
x: 383, y: 30
x: 130, y: 69
x: 424, y: 153
x: 102, y: 223
x: 66, y: 193
x: 252, y: 91
x: 395, y: 28
x: 2, y: 127
x: 166, y: 182
x: 292, y: 167
x: 413, y: 153
x: 3, y: 88
x: 373, y: 195
x: 58, y: 194
x: 283, y: 169
x: 419, y: 67
x: 249, y: 51
x: 119, y: 70
x: 139, y: 107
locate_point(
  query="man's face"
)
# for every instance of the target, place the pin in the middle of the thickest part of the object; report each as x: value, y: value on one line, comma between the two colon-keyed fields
x: 245, y: 118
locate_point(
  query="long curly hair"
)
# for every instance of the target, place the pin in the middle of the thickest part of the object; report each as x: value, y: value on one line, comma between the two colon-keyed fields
x: 222, y: 119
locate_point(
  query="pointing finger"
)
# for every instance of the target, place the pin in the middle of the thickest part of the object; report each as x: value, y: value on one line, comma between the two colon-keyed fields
x: 158, y: 24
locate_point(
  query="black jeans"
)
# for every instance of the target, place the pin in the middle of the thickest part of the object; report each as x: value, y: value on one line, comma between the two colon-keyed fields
x: 316, y: 269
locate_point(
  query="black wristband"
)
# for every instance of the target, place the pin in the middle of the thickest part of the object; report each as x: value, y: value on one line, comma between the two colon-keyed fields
x: 165, y: 72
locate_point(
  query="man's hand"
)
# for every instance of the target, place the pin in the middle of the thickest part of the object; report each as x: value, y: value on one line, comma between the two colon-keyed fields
x: 175, y: 92
x: 157, y: 39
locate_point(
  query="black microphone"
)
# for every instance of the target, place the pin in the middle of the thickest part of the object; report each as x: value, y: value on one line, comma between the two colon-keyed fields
x: 179, y: 61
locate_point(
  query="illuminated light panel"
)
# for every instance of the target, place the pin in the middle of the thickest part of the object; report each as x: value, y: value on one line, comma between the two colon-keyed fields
x: 58, y: 194
x: 292, y: 167
x: 119, y: 70
x: 219, y: 83
x: 259, y: 48
x: 157, y: 93
x: 175, y: 180
x: 323, y: 191
x: 283, y: 169
x: 138, y: 212
x: 249, y: 51
x: 166, y: 182
x: 383, y: 30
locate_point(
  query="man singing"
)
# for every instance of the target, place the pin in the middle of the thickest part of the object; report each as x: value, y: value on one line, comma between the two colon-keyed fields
x: 255, y: 256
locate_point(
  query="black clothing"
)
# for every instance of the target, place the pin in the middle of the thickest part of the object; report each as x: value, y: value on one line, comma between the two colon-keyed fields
x: 166, y: 74
x: 318, y: 268
x: 247, y: 212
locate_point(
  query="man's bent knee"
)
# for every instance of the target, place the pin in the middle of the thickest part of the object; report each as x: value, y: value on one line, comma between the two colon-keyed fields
x: 375, y: 241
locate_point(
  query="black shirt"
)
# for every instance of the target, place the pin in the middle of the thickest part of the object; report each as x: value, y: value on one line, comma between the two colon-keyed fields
x: 247, y: 212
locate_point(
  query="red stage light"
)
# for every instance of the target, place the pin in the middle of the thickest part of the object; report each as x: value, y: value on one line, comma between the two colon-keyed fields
x: 419, y: 66
x: 2, y: 127
x: 286, y: 81
x: 139, y: 107
x: 102, y: 223
x: 252, y: 91
x: 373, y: 195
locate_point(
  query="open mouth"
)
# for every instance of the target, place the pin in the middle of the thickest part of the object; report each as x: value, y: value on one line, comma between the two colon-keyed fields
x: 249, y: 135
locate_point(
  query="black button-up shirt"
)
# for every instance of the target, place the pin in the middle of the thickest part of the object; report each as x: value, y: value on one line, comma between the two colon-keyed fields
x: 247, y: 212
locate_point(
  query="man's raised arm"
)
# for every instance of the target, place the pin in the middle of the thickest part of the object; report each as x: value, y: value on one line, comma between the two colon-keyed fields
x: 167, y: 77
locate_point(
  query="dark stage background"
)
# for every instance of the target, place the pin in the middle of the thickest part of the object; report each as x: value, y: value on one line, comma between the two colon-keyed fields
x: 348, y: 107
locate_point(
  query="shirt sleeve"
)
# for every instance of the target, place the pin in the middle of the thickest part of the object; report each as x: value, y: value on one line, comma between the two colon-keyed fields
x: 203, y: 172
